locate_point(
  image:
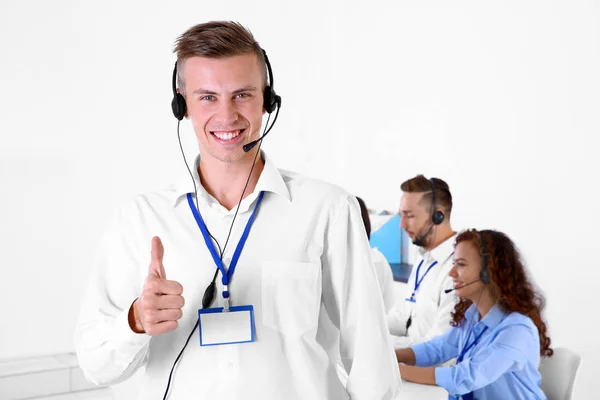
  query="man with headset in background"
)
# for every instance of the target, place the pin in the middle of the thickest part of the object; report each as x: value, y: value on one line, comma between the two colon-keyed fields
x: 425, y: 208
x: 297, y: 246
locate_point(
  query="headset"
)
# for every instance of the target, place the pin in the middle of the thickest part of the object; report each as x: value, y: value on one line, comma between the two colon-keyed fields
x: 484, y: 275
x: 271, y: 100
x: 437, y: 217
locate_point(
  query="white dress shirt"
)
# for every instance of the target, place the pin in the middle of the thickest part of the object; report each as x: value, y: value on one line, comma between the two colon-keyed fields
x: 430, y: 313
x: 306, y: 252
x: 385, y: 279
x: 330, y: 340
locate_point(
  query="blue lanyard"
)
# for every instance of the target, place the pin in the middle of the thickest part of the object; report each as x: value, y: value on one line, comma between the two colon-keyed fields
x: 467, y: 348
x: 418, y: 281
x: 226, y: 275
x: 468, y: 396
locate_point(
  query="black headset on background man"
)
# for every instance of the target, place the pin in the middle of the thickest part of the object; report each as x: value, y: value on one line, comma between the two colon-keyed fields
x: 437, y: 217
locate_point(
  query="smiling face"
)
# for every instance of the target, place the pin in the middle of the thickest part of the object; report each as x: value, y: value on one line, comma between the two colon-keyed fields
x: 466, y: 269
x: 224, y: 98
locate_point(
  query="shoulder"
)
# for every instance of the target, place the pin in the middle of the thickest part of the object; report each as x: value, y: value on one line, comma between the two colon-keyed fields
x: 157, y: 199
x: 156, y: 202
x: 518, y: 321
x: 517, y: 330
x: 304, y: 188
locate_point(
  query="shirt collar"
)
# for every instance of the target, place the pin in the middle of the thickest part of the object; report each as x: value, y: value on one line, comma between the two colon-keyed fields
x: 270, y: 180
x: 492, y: 319
x: 442, y: 252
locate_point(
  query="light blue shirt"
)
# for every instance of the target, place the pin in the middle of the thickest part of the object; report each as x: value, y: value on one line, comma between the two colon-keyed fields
x: 503, y: 364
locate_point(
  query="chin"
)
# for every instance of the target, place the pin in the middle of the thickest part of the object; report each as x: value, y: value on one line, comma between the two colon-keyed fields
x: 468, y: 296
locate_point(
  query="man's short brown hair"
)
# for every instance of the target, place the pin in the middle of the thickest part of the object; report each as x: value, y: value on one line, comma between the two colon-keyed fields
x: 216, y: 39
x: 420, y: 184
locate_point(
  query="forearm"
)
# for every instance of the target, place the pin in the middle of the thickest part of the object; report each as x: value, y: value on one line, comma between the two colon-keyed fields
x: 423, y: 375
x: 108, y: 350
x: 406, y: 356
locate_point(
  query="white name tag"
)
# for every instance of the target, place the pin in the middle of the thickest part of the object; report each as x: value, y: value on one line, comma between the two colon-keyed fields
x: 217, y: 327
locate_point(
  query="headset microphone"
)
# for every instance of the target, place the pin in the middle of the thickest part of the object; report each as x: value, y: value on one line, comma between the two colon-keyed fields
x: 461, y: 286
x: 249, y: 146
x: 420, y: 241
x: 271, y: 100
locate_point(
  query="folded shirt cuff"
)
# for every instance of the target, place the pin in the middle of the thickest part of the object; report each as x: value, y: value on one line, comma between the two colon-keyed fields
x: 443, y: 377
x: 421, y: 359
x: 122, y: 333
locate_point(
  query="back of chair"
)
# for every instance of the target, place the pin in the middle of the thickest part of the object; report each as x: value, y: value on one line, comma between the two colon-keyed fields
x: 559, y: 372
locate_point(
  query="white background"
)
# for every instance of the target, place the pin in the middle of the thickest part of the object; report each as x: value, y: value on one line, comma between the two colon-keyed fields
x: 500, y: 99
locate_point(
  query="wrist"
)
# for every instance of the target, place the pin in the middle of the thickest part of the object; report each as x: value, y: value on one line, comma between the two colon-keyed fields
x: 134, y: 321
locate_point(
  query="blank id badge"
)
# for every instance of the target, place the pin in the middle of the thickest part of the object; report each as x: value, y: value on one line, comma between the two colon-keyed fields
x: 218, y: 327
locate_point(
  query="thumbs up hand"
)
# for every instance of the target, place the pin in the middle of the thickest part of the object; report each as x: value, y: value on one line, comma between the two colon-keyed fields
x: 158, y: 308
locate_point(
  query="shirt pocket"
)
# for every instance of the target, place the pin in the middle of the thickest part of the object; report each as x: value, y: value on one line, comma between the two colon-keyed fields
x: 290, y: 296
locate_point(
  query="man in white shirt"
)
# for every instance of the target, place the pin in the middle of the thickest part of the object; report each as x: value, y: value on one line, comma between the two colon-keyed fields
x: 290, y: 247
x: 425, y: 208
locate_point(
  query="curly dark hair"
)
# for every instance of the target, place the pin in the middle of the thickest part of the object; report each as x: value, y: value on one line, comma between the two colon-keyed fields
x: 508, y: 281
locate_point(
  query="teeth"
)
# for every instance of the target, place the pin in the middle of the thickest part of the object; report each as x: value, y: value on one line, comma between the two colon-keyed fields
x: 227, y: 135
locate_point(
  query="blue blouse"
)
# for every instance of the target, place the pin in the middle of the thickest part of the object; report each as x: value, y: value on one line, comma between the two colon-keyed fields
x: 501, y: 364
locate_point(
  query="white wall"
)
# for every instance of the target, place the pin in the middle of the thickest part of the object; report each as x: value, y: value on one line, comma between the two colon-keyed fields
x: 500, y: 99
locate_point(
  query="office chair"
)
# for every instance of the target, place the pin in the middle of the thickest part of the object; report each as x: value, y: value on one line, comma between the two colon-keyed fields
x: 559, y: 373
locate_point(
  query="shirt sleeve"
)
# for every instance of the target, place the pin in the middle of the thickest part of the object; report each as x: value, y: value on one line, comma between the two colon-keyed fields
x: 389, y: 299
x: 386, y: 280
x: 437, y: 350
x: 443, y: 316
x: 107, y: 349
x: 506, y: 353
x: 349, y: 283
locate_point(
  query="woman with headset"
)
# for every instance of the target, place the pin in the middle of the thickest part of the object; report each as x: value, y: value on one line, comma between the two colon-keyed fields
x: 497, y: 333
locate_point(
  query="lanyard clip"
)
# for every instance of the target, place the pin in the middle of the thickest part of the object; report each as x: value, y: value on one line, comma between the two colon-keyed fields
x: 226, y: 301
x: 226, y: 304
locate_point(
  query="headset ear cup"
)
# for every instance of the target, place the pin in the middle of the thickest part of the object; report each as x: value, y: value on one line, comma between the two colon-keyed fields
x: 269, y: 100
x: 178, y: 106
x: 485, y: 275
x: 437, y: 217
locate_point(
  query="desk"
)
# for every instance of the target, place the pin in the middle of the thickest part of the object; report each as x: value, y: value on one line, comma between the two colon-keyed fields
x: 415, y: 391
